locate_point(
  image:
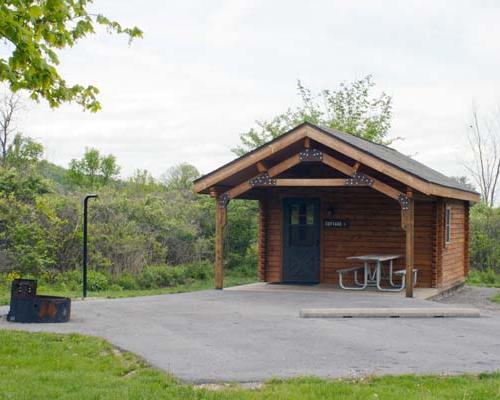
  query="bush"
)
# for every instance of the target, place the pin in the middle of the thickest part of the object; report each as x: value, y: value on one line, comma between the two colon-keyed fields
x: 485, y: 238
x: 201, y: 271
x: 158, y: 276
x: 70, y: 279
x: 488, y: 277
x: 127, y: 282
x: 97, y: 281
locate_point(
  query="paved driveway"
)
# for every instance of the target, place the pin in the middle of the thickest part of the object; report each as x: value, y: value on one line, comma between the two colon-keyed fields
x: 251, y: 336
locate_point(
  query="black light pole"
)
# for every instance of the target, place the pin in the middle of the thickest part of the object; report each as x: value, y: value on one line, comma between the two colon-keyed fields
x: 85, y: 212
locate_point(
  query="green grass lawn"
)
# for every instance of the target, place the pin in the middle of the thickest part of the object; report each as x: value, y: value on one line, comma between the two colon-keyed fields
x: 496, y: 298
x: 49, y: 366
x: 229, y: 280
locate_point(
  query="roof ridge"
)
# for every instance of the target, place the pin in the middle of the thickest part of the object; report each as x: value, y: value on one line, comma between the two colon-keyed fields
x: 356, y: 136
x: 362, y: 142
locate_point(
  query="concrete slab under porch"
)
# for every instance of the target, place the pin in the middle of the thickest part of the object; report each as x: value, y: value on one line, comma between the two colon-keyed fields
x: 419, y: 293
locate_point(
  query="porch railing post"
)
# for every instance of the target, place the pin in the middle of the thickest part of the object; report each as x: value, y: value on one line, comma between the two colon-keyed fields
x: 220, y: 223
x: 408, y: 224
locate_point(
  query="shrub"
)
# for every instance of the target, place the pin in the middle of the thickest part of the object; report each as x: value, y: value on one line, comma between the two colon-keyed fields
x: 97, y: 281
x: 200, y: 271
x: 70, y: 279
x: 157, y: 276
x: 115, y: 287
x: 485, y: 238
x: 487, y: 277
x: 127, y: 282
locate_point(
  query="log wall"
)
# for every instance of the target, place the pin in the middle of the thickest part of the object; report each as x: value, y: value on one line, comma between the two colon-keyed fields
x: 375, y: 227
x: 454, y: 267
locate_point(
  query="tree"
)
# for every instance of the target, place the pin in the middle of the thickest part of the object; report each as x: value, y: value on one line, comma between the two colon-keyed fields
x: 93, y: 170
x: 10, y: 105
x: 484, y: 141
x: 23, y: 152
x: 180, y: 177
x: 350, y: 109
x: 34, y: 31
x: 463, y: 180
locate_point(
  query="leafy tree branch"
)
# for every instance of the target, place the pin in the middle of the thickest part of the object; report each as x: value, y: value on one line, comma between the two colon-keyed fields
x: 33, y: 32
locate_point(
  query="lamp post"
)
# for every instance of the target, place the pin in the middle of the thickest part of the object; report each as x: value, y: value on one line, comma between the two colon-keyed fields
x: 85, y: 255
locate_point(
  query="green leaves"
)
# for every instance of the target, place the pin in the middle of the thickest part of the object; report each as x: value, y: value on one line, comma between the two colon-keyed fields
x: 93, y: 170
x: 33, y: 32
x: 351, y: 109
x: 35, y: 11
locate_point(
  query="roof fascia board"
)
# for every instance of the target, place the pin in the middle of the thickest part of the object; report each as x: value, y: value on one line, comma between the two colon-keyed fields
x: 247, y: 161
x: 386, y: 168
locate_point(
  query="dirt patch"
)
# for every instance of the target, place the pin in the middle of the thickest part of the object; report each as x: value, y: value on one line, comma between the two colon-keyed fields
x: 474, y: 296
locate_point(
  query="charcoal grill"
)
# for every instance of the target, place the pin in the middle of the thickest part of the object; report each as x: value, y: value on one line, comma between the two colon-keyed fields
x: 27, y: 306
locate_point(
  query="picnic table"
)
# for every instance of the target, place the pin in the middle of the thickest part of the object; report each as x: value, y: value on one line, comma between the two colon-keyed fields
x: 372, y: 272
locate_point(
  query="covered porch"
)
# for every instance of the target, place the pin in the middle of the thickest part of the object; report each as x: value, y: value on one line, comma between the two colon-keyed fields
x: 325, y: 196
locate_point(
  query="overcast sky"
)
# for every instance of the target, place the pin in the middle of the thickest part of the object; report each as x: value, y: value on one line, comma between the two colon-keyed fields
x: 206, y: 70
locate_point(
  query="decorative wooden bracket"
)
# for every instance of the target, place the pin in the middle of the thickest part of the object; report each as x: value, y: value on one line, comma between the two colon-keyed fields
x: 404, y: 201
x: 262, y: 180
x: 359, y: 179
x: 224, y: 200
x: 311, y: 155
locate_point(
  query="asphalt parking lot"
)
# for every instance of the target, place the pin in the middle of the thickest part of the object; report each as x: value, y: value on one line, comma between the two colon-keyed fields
x: 245, y: 336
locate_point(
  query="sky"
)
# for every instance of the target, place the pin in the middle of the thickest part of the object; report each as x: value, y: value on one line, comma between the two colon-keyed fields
x: 206, y: 70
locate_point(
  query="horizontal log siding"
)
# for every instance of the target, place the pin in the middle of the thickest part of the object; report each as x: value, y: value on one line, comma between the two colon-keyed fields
x: 375, y: 227
x: 453, y: 262
x: 274, y: 234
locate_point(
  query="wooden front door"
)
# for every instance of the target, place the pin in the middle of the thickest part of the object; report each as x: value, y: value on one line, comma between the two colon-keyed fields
x: 301, y: 239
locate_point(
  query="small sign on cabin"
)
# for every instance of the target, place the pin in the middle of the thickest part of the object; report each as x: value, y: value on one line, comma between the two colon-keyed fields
x: 336, y: 223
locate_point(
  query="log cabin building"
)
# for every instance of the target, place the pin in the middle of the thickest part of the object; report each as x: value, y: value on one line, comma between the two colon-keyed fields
x: 325, y: 195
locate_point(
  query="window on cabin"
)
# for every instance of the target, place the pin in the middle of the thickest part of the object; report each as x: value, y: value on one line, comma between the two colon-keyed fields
x: 447, y: 225
x: 302, y: 225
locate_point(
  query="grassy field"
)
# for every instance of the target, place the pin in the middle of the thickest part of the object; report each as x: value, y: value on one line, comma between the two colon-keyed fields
x: 496, y: 298
x: 229, y: 280
x: 49, y: 366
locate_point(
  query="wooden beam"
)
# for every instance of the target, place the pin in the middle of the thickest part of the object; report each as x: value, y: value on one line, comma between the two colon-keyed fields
x: 387, y: 169
x: 307, y: 143
x: 386, y: 189
x: 348, y: 170
x: 240, y: 189
x: 295, y: 135
x: 338, y: 165
x: 326, y: 159
x: 311, y: 182
x: 261, y: 167
x: 271, y: 172
x: 313, y: 133
x: 284, y: 165
x: 220, y: 223
x: 408, y: 224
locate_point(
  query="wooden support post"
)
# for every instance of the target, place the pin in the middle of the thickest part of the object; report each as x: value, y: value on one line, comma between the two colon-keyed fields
x: 262, y: 241
x: 408, y: 224
x: 220, y: 223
